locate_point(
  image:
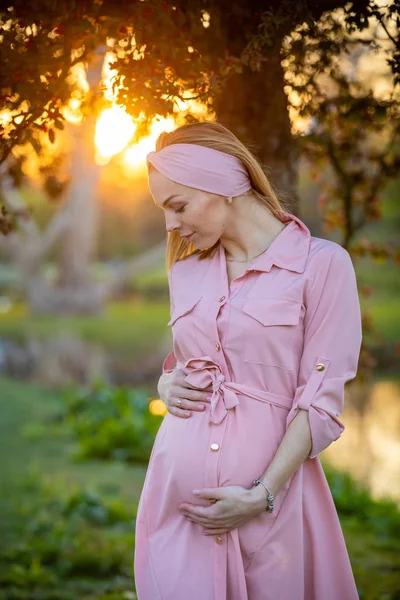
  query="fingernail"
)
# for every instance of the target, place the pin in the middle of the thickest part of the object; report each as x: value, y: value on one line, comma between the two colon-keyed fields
x: 187, y: 414
x: 201, y: 407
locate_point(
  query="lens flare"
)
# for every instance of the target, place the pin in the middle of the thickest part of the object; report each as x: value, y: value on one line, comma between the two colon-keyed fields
x: 114, y: 129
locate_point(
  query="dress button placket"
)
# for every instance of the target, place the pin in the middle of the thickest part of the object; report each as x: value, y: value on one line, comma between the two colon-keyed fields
x: 215, y: 448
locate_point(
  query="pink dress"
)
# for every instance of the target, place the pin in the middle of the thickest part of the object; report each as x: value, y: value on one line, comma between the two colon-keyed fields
x: 285, y: 335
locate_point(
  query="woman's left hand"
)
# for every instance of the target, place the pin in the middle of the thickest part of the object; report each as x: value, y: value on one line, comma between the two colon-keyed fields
x: 234, y: 506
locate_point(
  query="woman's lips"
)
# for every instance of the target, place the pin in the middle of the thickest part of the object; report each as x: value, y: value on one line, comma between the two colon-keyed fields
x: 187, y: 237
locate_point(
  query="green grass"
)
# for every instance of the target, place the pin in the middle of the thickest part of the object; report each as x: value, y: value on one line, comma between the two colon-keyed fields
x: 27, y: 445
x: 130, y: 325
x: 383, y: 303
x: 384, y: 278
x: 30, y: 450
x: 68, y: 557
x: 136, y: 326
x: 155, y: 276
x: 375, y: 561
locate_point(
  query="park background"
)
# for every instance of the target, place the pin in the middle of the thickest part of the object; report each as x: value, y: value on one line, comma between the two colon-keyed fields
x: 84, y: 301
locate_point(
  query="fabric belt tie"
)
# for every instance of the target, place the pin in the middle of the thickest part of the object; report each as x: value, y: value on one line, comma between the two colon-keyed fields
x: 203, y: 372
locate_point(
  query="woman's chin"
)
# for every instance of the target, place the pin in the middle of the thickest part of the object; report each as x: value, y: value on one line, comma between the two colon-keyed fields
x: 204, y: 245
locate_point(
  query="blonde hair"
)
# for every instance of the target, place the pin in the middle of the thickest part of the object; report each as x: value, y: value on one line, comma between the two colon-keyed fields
x: 216, y: 136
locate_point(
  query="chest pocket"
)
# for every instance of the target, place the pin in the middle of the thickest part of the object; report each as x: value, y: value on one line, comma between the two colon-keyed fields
x: 183, y: 306
x: 270, y: 326
x: 186, y: 327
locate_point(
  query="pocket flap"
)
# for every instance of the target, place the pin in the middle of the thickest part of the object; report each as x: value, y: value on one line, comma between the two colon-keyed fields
x: 273, y: 311
x: 182, y: 307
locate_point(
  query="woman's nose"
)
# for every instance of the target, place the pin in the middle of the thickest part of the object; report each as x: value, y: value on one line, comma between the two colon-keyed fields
x: 172, y: 225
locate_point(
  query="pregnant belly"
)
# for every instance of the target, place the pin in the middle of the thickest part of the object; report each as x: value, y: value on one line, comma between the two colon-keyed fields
x: 179, y: 458
x: 178, y: 455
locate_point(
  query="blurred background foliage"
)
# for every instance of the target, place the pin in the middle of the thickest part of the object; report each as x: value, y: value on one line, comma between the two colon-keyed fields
x: 85, y: 88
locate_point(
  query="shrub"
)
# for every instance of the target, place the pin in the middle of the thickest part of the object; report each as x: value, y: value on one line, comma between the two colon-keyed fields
x: 111, y: 423
x: 72, y: 545
x: 353, y: 500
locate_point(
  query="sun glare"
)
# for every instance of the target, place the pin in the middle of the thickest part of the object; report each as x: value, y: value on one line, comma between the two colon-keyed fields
x: 114, y: 129
x: 135, y: 155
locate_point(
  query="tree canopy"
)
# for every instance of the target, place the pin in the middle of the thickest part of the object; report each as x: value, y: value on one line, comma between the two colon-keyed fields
x: 164, y: 50
x: 248, y: 63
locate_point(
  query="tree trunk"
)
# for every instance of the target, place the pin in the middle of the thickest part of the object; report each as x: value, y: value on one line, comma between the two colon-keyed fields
x: 253, y: 105
x: 79, y: 241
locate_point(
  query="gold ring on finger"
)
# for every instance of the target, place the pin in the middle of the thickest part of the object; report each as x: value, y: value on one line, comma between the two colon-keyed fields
x: 179, y: 402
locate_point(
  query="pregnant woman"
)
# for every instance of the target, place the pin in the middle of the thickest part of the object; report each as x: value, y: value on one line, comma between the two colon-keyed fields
x: 266, y: 332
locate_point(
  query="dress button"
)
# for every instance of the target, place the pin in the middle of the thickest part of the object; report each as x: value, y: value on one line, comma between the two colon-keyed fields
x: 222, y: 298
x: 320, y: 367
x: 218, y: 539
x: 217, y: 346
x: 214, y: 447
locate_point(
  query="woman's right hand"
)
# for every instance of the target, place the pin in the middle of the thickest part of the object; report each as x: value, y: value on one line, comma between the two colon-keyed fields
x: 172, y: 386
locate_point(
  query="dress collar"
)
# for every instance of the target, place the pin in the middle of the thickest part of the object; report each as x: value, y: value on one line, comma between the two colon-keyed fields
x: 289, y: 249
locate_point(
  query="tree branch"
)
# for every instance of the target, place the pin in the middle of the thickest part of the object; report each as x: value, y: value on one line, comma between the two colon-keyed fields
x: 381, y: 21
x: 14, y: 201
x: 131, y: 268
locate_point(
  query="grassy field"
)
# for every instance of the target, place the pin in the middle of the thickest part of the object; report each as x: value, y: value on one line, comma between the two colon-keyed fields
x: 29, y: 445
x: 71, y: 558
x: 33, y: 453
x: 136, y: 325
x: 383, y: 303
x: 133, y: 326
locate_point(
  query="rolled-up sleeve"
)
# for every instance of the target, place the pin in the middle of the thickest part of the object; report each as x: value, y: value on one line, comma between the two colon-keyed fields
x: 332, y: 343
x: 169, y: 363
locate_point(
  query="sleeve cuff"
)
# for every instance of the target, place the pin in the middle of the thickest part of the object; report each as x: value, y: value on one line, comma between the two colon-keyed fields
x: 325, y: 425
x: 169, y: 363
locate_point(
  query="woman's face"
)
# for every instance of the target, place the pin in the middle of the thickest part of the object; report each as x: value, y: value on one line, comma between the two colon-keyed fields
x: 188, y: 211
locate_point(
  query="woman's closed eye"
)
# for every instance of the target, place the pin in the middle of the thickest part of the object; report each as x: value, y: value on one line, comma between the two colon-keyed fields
x: 180, y: 210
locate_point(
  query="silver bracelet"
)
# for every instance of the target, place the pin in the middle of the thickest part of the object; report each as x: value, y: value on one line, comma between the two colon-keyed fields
x: 270, y: 497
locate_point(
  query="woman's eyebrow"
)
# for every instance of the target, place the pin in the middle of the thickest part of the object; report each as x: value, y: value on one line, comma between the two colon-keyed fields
x: 167, y: 200
x: 170, y: 198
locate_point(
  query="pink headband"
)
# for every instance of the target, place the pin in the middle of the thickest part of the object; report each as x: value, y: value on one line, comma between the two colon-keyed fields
x: 202, y: 168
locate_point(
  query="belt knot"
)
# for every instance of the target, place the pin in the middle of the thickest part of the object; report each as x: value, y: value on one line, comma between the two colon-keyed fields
x: 217, y: 382
x: 203, y: 372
